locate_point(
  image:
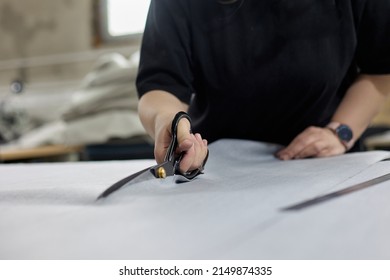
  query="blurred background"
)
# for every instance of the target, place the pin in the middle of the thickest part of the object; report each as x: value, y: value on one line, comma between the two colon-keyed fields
x: 67, y: 72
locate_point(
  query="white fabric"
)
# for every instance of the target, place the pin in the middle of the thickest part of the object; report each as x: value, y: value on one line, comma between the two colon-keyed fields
x: 233, y: 211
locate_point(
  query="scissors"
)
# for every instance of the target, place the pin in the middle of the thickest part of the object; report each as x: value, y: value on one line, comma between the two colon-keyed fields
x: 169, y: 167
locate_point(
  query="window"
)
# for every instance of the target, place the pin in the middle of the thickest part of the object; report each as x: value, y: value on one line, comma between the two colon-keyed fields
x: 122, y: 19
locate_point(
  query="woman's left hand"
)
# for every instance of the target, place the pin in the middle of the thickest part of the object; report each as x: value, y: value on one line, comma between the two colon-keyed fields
x: 313, y: 142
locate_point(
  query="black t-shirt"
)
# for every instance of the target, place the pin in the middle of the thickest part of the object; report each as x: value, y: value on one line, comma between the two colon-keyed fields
x: 262, y: 69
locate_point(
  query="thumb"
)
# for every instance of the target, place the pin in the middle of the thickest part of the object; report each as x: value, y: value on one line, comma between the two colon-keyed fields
x: 184, y: 138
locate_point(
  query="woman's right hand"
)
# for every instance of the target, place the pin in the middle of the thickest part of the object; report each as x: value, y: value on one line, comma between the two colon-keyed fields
x: 192, y: 145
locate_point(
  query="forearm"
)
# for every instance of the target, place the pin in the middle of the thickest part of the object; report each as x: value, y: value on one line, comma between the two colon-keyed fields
x: 362, y: 102
x: 157, y: 105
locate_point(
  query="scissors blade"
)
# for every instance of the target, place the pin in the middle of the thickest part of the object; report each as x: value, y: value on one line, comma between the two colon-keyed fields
x: 139, y: 176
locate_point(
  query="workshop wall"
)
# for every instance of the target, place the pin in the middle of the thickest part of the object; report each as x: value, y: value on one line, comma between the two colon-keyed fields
x: 41, y: 27
x: 49, y: 40
x: 37, y: 28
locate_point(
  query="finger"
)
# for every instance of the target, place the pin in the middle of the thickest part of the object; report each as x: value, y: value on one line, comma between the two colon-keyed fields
x: 299, y: 143
x: 162, y: 141
x: 325, y: 144
x: 184, y: 138
x: 163, y: 136
x: 187, y: 159
x: 194, y: 157
x: 201, y: 156
x: 313, y: 150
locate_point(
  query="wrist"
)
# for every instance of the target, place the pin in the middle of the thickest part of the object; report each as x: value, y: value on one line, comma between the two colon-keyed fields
x: 343, y: 132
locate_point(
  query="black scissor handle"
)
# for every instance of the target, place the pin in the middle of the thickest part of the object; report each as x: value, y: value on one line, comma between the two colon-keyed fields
x: 170, y: 155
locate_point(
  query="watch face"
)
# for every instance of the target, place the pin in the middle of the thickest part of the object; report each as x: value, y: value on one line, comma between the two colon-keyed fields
x: 344, y: 133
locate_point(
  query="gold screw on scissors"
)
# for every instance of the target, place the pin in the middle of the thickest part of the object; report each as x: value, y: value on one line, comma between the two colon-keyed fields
x: 161, y: 173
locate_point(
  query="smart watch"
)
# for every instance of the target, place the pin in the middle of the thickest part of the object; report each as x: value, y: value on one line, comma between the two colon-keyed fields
x: 343, y: 132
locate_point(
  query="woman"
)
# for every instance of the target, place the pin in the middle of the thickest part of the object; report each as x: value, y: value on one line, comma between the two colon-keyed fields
x: 306, y: 74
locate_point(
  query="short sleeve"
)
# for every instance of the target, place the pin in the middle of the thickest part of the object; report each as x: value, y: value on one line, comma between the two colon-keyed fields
x: 373, y: 51
x: 165, y: 61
